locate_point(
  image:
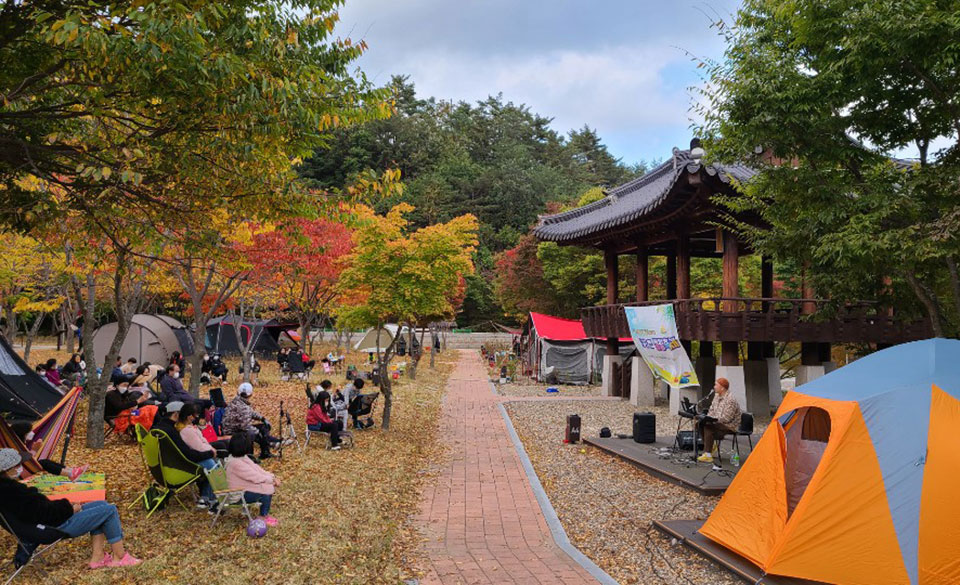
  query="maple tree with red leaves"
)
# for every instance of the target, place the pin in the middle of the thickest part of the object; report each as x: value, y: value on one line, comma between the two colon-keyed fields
x: 302, y: 263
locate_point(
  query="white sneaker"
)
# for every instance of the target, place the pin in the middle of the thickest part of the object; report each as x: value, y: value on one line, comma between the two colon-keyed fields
x: 335, y: 448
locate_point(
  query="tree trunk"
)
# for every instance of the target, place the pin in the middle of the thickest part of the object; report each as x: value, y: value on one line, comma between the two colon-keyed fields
x: 70, y: 337
x: 954, y: 282
x: 412, y: 370
x: 928, y: 301
x: 199, y: 334
x: 31, y: 334
x: 10, y: 329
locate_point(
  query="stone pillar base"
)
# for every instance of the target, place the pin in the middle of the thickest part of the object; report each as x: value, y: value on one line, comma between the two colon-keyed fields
x: 808, y: 374
x: 642, y: 383
x: 829, y: 367
x: 738, y: 385
x: 776, y: 392
x: 757, y: 381
x: 607, y: 374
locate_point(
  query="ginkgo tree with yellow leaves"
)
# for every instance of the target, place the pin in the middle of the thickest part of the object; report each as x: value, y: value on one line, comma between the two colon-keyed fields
x: 32, y: 281
x: 408, y: 277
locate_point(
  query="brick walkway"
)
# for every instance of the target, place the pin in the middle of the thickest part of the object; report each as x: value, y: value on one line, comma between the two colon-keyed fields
x: 480, y: 518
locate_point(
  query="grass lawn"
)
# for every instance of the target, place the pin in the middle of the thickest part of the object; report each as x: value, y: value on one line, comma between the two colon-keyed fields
x: 344, y: 516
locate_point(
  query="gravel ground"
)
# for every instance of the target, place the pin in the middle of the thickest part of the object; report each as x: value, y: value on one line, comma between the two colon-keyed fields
x: 526, y: 388
x: 607, y: 506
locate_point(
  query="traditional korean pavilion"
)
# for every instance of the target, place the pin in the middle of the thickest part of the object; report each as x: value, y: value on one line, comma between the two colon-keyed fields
x: 668, y: 212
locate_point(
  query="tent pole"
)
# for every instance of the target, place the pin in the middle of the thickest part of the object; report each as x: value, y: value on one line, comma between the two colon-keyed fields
x: 66, y: 440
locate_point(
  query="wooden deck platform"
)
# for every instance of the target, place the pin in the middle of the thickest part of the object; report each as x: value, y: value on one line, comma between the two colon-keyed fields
x: 677, y: 467
x: 685, y: 531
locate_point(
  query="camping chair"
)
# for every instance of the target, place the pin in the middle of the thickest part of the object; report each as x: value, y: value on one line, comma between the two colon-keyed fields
x: 296, y: 367
x: 226, y: 498
x: 171, y: 471
x: 346, y: 438
x: 362, y: 404
x: 745, y: 430
x: 32, y: 541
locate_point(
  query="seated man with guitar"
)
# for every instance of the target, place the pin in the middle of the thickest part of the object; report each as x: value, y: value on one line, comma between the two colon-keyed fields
x: 722, y: 419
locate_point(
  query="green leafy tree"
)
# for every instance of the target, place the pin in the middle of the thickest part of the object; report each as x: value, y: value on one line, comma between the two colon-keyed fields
x: 816, y: 97
x: 409, y: 277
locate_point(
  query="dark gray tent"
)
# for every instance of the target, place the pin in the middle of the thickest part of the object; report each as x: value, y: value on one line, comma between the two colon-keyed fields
x: 222, y: 338
x: 151, y: 338
x: 24, y: 394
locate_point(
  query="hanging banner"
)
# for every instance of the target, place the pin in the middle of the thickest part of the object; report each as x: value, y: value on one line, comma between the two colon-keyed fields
x: 654, y: 332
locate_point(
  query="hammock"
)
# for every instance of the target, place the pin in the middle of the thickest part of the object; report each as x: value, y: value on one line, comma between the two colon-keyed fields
x: 50, y: 428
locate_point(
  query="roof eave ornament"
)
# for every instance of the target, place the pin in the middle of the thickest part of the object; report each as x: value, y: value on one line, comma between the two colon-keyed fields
x: 696, y: 151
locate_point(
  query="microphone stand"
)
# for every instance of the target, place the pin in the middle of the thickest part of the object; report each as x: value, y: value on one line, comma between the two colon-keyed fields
x: 280, y: 432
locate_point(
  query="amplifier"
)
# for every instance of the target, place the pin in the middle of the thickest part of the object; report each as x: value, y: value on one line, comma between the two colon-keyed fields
x: 685, y: 441
x: 644, y: 427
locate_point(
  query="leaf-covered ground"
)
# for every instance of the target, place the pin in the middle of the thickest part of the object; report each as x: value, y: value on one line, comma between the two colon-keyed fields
x: 343, y: 515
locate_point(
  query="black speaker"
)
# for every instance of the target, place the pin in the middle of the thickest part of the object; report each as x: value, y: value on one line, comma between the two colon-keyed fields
x: 685, y: 441
x: 644, y: 427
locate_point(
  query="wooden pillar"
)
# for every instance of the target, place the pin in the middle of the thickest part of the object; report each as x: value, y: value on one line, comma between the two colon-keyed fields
x: 755, y: 351
x: 731, y: 268
x: 825, y: 350
x: 730, y: 350
x: 810, y: 354
x: 671, y: 275
x: 613, y: 278
x: 643, y: 274
x: 766, y: 277
x: 683, y: 267
x: 706, y: 349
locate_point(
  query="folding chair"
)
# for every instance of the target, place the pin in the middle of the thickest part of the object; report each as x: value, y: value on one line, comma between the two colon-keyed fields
x: 171, y: 471
x: 346, y: 438
x: 226, y: 498
x: 32, y: 541
x: 745, y: 430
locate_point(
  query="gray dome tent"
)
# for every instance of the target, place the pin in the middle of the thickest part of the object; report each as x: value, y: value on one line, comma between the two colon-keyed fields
x: 151, y: 338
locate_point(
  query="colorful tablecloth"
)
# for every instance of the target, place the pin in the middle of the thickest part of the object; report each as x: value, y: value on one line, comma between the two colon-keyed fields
x: 89, y: 487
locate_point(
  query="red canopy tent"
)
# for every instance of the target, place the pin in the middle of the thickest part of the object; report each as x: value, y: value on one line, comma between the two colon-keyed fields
x: 558, y: 348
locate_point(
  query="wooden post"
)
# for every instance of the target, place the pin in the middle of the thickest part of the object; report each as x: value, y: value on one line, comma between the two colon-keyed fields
x: 643, y: 274
x: 730, y: 350
x: 766, y: 277
x: 810, y: 354
x: 671, y: 275
x: 706, y: 349
x: 613, y: 278
x: 683, y: 267
x: 731, y: 268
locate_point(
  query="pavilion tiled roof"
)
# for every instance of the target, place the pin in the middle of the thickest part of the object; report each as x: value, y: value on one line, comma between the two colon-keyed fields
x: 630, y: 201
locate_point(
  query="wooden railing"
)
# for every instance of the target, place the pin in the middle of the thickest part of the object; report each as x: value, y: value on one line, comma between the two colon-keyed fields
x: 767, y: 319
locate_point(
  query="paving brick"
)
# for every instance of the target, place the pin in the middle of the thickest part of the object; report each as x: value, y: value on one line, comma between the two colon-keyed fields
x: 481, y: 520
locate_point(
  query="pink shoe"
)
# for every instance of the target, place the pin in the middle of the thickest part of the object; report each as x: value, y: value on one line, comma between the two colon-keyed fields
x: 106, y: 560
x: 271, y: 521
x: 78, y: 471
x: 128, y: 560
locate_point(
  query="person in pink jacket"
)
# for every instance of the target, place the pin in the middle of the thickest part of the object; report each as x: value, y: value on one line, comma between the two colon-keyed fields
x: 257, y: 484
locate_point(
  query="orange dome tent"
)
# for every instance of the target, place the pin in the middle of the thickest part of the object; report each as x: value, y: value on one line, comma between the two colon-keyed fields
x: 853, y: 481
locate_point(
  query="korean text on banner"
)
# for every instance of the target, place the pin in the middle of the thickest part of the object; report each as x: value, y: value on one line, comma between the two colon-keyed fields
x: 654, y: 332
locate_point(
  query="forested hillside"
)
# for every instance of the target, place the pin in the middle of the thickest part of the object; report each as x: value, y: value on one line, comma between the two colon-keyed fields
x: 495, y: 159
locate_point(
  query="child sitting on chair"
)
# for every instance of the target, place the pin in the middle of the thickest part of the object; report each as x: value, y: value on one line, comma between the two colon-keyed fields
x: 243, y: 474
x: 318, y: 416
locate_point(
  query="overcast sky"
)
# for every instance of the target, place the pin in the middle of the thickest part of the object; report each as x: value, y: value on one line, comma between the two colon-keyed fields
x: 620, y: 66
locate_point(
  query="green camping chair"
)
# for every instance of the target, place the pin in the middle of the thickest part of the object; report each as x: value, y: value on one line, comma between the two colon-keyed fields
x: 171, y: 471
x: 226, y: 497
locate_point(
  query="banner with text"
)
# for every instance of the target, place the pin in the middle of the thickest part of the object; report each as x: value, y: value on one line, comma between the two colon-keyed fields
x: 654, y: 332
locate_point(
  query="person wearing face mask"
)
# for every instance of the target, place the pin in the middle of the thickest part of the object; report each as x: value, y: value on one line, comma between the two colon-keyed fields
x: 172, y: 425
x: 126, y: 408
x: 240, y: 417
x: 99, y: 519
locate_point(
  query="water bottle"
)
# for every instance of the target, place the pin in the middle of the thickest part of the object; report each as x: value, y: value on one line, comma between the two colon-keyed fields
x: 735, y: 461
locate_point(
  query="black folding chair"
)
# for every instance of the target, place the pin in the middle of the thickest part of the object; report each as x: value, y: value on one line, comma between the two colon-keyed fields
x: 745, y: 430
x: 360, y: 405
x: 32, y: 541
